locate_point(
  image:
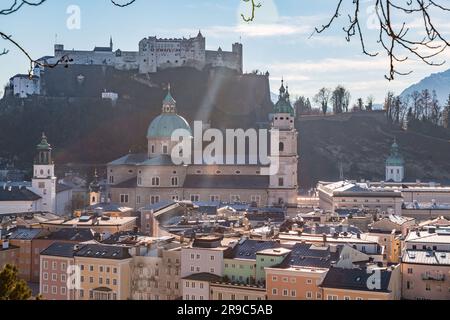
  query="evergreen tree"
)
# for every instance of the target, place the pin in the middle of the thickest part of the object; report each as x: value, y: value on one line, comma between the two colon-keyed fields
x: 11, y: 287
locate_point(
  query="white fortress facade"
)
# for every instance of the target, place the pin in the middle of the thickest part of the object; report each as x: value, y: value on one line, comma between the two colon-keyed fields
x: 156, y: 54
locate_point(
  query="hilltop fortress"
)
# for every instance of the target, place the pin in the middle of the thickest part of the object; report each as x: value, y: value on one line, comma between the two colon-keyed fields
x: 155, y: 54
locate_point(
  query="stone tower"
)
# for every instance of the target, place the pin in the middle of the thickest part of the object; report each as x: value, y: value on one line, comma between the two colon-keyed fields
x: 395, y: 165
x: 44, y: 180
x: 94, y: 191
x: 284, y: 184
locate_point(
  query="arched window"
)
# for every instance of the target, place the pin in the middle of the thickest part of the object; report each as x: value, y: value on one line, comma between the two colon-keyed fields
x: 281, y: 146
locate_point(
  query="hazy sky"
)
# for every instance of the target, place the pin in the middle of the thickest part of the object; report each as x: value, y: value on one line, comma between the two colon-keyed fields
x: 278, y: 41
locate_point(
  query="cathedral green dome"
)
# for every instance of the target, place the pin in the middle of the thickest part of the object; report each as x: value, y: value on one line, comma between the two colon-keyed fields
x: 165, y: 124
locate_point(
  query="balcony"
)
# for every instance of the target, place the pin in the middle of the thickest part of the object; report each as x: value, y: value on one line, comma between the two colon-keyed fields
x: 433, y: 276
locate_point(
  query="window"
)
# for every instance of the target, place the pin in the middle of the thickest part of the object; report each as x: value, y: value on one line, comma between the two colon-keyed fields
x: 45, y: 275
x: 428, y: 287
x: 139, y: 181
x: 114, y: 282
x: 155, y: 181
x: 54, y: 289
x: 309, y: 281
x: 165, y: 149
x: 195, y: 198
x: 332, y: 297
x: 63, y: 290
x: 212, y: 258
x: 347, y: 298
x: 293, y: 293
x: 359, y: 298
x: 281, y: 147
x: 274, y: 291
x: 174, y: 181
x: 91, y: 268
x: 212, y: 270
x: 153, y: 148
x: 318, y: 296
x: 82, y: 267
x: 138, y: 199
x: 285, y: 279
x: 54, y: 265
x: 309, y: 295
x: 281, y: 182
x: 235, y: 198
x: 201, y: 285
x: 91, y: 279
x: 124, y: 198
x: 45, y: 264
x: 45, y: 288
x: 410, y: 270
x: 100, y: 269
x: 81, y: 293
x: 214, y: 198
x: 63, y: 278
x: 54, y: 277
x: 154, y: 199
x: 285, y: 292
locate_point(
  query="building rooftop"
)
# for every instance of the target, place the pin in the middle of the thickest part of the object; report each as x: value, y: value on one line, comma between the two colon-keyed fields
x: 246, y: 249
x: 103, y: 252
x: 12, y: 193
x: 91, y: 221
x: 72, y: 234
x: 350, y: 188
x: 438, y: 235
x: 426, y: 257
x: 110, y: 207
x: 25, y: 234
x: 309, y: 255
x: 60, y: 249
x: 309, y: 238
x: 356, y: 279
x: 278, y: 252
x: 205, y: 277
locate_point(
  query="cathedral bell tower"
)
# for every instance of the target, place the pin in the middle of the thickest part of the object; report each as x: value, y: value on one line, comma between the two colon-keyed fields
x: 284, y: 185
x: 94, y: 191
x: 44, y: 180
x: 395, y: 165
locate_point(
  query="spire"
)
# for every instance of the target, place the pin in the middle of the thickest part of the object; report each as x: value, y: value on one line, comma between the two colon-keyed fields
x: 44, y: 145
x: 169, y: 103
x: 111, y: 42
x: 282, y: 89
x: 44, y: 152
x: 199, y: 35
x: 95, y: 186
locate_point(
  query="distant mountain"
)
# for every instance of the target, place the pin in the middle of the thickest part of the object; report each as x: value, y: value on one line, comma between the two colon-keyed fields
x: 437, y: 81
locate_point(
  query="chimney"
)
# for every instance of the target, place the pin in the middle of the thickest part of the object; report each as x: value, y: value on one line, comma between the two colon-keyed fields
x: 5, y: 244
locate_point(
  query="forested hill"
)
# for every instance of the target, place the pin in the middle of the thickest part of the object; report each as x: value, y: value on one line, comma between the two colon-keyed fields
x: 83, y: 128
x: 362, y: 141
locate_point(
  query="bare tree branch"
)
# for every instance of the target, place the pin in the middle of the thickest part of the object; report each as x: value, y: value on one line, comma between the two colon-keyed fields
x: 254, y: 6
x: 394, y: 37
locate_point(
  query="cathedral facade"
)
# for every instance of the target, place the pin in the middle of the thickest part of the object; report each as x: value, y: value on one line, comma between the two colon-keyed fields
x: 138, y: 180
